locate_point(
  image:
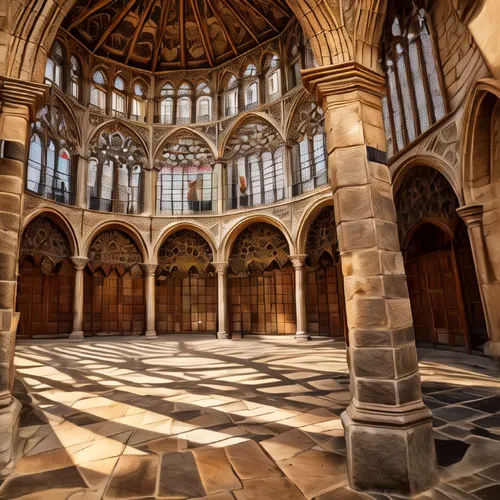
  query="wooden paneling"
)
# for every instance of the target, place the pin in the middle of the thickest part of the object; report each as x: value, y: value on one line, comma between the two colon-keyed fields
x: 185, y: 305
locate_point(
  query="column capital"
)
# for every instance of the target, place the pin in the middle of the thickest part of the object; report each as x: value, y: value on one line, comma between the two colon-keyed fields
x: 341, y: 79
x: 150, y: 269
x: 79, y: 263
x: 221, y: 267
x: 18, y: 93
x: 472, y: 215
x: 298, y: 261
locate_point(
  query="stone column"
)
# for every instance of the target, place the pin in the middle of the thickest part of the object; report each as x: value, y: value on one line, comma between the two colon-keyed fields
x: 19, y: 102
x: 147, y: 208
x: 150, y: 271
x: 219, y: 174
x: 388, y: 428
x: 81, y: 182
x: 221, y: 269
x: 489, y: 283
x: 79, y: 264
x: 298, y: 262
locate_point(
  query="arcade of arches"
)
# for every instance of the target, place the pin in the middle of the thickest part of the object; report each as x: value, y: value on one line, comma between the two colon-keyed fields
x: 294, y: 168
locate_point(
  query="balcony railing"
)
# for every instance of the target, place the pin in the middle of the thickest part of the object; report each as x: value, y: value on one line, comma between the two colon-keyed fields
x: 183, y: 120
x: 273, y: 195
x: 203, y: 118
x: 308, y: 185
x: 251, y: 105
x: 163, y: 119
x: 138, y: 118
x: 130, y: 207
x: 50, y: 185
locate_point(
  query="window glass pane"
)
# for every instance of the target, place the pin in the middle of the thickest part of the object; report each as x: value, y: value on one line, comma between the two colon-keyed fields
x: 167, y: 107
x: 418, y: 84
x: 34, y: 164
x: 107, y: 180
x: 405, y: 92
x: 387, y: 127
x: 49, y: 70
x: 395, y: 106
x: 119, y: 83
x: 99, y: 78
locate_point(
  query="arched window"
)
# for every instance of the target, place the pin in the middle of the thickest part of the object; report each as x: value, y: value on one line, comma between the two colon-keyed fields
x: 294, y: 76
x: 54, y: 66
x: 231, y: 97
x: 139, y: 103
x: 184, y: 104
x: 414, y: 99
x: 75, y: 77
x: 203, y: 103
x: 115, y: 175
x: 167, y: 104
x: 118, y: 97
x: 251, y: 87
x: 273, y: 80
x: 35, y: 160
x: 184, y: 181
x: 98, y: 90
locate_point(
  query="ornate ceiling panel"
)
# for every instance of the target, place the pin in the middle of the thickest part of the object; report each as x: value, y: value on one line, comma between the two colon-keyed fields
x: 162, y: 35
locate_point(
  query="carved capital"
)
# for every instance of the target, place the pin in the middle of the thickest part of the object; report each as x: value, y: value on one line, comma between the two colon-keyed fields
x: 472, y: 215
x: 79, y: 263
x: 298, y: 261
x: 149, y: 269
x: 221, y: 267
x: 18, y: 93
x: 341, y: 79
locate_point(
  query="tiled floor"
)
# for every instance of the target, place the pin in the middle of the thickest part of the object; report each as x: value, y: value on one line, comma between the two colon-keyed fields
x: 184, y: 417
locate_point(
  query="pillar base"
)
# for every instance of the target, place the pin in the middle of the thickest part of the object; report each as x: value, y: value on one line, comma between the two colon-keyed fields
x: 76, y: 336
x: 492, y: 349
x: 150, y: 334
x: 302, y: 337
x: 383, y: 444
x: 9, y: 425
x: 223, y: 335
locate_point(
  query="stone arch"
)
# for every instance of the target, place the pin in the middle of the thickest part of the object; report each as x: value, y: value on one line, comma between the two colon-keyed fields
x: 263, y: 58
x: 308, y: 217
x: 174, y: 228
x: 61, y: 221
x: 122, y: 226
x: 482, y: 121
x: 248, y: 118
x: 230, y: 238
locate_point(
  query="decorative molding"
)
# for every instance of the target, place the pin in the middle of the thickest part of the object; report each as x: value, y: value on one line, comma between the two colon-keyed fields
x: 472, y: 215
x: 27, y: 94
x: 79, y: 263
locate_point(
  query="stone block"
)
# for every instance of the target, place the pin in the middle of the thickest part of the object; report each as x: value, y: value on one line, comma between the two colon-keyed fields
x: 375, y: 391
x: 383, y: 205
x: 399, y: 313
x: 369, y: 312
x: 372, y: 362
x: 345, y: 125
x: 395, y: 286
x: 392, y: 262
x: 348, y: 167
x: 387, y: 235
x: 409, y: 389
x: 408, y: 453
x: 360, y: 337
x: 357, y: 234
x: 363, y: 286
x: 406, y: 361
x: 362, y: 263
x: 352, y: 204
x: 9, y: 424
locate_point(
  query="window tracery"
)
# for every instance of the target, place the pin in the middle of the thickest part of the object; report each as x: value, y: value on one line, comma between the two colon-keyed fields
x: 272, y: 78
x: 139, y: 102
x: 184, y: 104
x: 54, y: 69
x: 75, y: 78
x: 118, y: 98
x: 98, y: 91
x: 322, y: 237
x: 184, y: 179
x: 203, y: 103
x: 167, y: 104
x: 231, y: 104
x: 414, y: 99
x: 251, y: 87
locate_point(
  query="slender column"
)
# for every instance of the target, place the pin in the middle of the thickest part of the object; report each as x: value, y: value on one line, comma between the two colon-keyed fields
x: 147, y: 208
x: 489, y: 283
x: 150, y: 270
x: 221, y: 268
x: 388, y: 428
x: 19, y: 102
x: 219, y: 174
x: 81, y: 182
x: 79, y: 264
x: 298, y: 262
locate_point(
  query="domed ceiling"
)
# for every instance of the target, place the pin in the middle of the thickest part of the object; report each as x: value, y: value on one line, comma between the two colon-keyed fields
x: 162, y: 35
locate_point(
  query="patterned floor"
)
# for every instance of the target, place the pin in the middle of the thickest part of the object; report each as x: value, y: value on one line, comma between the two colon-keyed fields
x: 183, y: 417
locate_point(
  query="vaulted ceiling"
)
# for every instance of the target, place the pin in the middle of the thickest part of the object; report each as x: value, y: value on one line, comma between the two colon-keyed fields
x: 162, y: 35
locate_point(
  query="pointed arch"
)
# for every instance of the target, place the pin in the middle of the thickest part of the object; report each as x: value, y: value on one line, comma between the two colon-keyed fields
x: 308, y: 217
x: 184, y: 132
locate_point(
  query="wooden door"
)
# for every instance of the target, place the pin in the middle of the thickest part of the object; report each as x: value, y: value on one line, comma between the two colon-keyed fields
x: 185, y: 305
x: 324, y: 304
x: 45, y: 301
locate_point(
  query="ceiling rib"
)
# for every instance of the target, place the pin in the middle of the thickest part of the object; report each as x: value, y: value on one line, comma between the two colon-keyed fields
x: 86, y: 13
x: 138, y: 30
x: 206, y: 43
x: 241, y: 21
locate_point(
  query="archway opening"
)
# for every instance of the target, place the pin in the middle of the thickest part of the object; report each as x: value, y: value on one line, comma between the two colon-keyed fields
x: 114, y: 298
x: 261, y: 283
x: 46, y: 280
x: 186, y: 285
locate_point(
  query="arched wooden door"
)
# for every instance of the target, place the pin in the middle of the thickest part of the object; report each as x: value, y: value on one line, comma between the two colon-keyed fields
x: 114, y: 298
x: 261, y: 283
x: 46, y: 281
x: 186, y: 285
x: 325, y: 303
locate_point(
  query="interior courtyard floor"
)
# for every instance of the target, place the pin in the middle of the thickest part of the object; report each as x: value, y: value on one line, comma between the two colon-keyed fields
x: 249, y: 419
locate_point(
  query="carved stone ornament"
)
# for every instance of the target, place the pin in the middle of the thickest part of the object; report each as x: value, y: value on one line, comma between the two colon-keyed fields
x: 307, y: 121
x: 221, y: 267
x: 183, y: 253
x: 298, y: 261
x: 184, y: 150
x: 149, y: 269
x: 259, y: 248
x: 44, y: 237
x: 322, y: 237
x: 114, y: 248
x: 79, y: 263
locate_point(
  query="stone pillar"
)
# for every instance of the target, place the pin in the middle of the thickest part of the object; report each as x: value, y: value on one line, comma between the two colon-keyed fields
x: 79, y: 264
x: 147, y: 208
x: 81, y: 182
x: 219, y: 175
x: 489, y: 283
x: 221, y: 269
x: 19, y: 102
x: 150, y: 271
x: 388, y: 428
x: 298, y: 262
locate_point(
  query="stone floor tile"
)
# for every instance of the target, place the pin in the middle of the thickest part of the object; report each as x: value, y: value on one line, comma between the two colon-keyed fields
x: 215, y: 471
x: 489, y: 493
x: 343, y: 494
x: 315, y: 472
x: 48, y: 460
x: 453, y: 413
x: 287, y: 445
x: 179, y: 476
x: 492, y: 473
x: 133, y: 477
x: 250, y: 462
x: 269, y: 488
